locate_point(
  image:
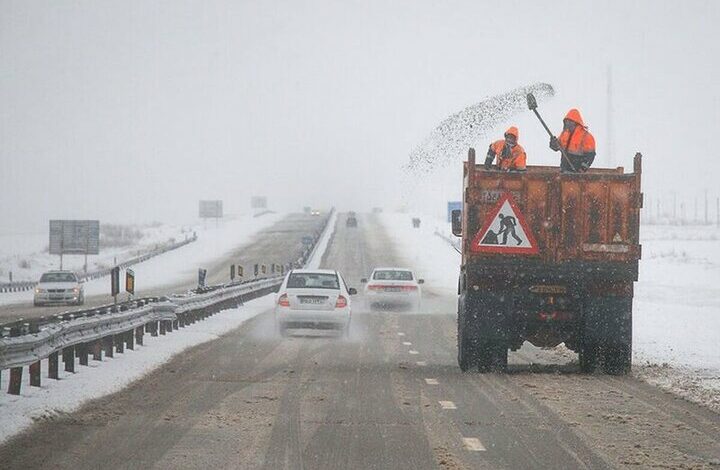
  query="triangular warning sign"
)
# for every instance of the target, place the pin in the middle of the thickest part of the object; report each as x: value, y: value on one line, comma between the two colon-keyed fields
x: 505, y: 231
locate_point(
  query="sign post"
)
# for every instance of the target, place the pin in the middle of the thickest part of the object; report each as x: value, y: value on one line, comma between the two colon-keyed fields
x: 202, y: 274
x: 115, y: 282
x: 232, y: 272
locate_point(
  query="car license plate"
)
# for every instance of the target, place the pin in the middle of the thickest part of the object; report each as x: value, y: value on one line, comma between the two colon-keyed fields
x: 56, y: 297
x: 393, y: 289
x: 312, y: 300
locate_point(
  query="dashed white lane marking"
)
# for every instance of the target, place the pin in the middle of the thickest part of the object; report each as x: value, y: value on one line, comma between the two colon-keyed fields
x: 412, y: 351
x: 407, y: 343
x: 431, y: 381
x: 421, y: 363
x: 473, y: 444
x: 447, y: 405
x: 400, y: 333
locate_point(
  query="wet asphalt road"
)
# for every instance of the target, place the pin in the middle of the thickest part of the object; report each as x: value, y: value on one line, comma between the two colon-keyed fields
x: 391, y: 396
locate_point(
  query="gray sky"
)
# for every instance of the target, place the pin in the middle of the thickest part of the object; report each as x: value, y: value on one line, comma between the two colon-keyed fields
x: 134, y: 110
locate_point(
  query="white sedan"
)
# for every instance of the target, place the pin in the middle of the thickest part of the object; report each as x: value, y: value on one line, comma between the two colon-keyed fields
x: 313, y: 298
x: 393, y: 286
x: 56, y: 287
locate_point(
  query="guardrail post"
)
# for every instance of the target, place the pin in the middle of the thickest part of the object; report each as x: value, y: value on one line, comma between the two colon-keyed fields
x: 53, y: 366
x: 69, y: 358
x: 109, y: 350
x: 119, y: 344
x: 82, y: 352
x: 97, y: 350
x: 130, y: 340
x: 34, y: 370
x: 15, y: 381
x: 162, y: 327
x: 139, y: 334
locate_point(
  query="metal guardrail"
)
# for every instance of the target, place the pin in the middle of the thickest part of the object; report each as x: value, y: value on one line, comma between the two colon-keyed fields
x: 112, y: 328
x: 28, y: 285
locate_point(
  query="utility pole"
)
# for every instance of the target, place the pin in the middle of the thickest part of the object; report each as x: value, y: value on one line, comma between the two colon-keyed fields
x: 674, y: 206
x: 608, y: 115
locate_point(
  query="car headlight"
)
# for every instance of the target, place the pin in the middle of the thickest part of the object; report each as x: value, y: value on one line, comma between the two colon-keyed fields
x: 39, y: 291
x: 76, y: 290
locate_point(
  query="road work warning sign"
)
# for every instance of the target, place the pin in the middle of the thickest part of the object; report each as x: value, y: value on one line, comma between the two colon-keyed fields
x: 505, y: 230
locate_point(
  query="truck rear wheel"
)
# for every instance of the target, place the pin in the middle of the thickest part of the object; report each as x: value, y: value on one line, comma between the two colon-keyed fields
x: 467, y: 354
x: 588, y: 357
x: 493, y: 357
x: 618, y: 358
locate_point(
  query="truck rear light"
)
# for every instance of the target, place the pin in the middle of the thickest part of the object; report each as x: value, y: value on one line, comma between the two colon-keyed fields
x: 283, y: 301
x: 409, y: 288
x: 341, y: 302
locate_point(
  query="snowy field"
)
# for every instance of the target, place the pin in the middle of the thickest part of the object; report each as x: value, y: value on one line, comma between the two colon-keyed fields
x: 25, y: 253
x: 112, y: 374
x: 676, y: 310
x: 178, y: 265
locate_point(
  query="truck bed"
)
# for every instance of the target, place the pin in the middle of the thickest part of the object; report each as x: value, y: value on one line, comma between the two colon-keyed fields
x: 573, y: 218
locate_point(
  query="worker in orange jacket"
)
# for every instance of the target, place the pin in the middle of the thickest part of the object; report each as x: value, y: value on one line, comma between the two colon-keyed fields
x: 510, y: 155
x: 577, y: 141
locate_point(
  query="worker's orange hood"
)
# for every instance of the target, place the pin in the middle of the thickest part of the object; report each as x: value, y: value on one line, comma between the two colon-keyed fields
x: 512, y: 130
x: 574, y: 116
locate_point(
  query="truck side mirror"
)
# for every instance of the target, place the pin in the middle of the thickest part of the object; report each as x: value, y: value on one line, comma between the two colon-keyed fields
x: 457, y: 222
x: 352, y: 291
x: 421, y: 281
x: 363, y: 280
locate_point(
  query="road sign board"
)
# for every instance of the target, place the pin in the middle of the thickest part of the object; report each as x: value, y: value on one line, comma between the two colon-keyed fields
x: 505, y: 230
x: 130, y: 281
x: 115, y: 281
x: 74, y: 237
x: 258, y: 202
x: 211, y: 209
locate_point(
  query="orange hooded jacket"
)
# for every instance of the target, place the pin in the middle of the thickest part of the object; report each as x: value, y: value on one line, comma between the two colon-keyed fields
x: 580, y: 141
x: 508, y: 158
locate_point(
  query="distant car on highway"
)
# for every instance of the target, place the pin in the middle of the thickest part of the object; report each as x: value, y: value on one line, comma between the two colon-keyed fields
x: 389, y: 287
x: 59, y: 287
x: 314, y: 299
x: 315, y: 212
x: 351, y: 220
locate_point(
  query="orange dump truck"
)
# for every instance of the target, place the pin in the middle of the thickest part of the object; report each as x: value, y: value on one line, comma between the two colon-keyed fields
x: 548, y: 257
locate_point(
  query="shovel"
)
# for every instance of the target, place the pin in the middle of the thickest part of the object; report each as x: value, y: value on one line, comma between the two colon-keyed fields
x: 532, y: 105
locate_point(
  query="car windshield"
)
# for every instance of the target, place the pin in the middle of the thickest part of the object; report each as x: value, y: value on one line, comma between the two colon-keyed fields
x: 393, y: 275
x: 58, y: 277
x: 313, y: 281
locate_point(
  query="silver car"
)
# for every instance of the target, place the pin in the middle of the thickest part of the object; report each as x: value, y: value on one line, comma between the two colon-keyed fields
x: 59, y: 287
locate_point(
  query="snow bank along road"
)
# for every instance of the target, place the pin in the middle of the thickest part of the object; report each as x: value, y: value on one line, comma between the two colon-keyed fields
x: 280, y: 242
x: 389, y: 397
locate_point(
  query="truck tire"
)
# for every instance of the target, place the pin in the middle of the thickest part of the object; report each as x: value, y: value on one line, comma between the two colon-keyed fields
x: 588, y: 356
x: 618, y: 358
x: 467, y: 354
x: 493, y: 357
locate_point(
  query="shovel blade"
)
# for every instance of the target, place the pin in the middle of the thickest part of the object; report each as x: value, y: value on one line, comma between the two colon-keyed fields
x: 531, y: 102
